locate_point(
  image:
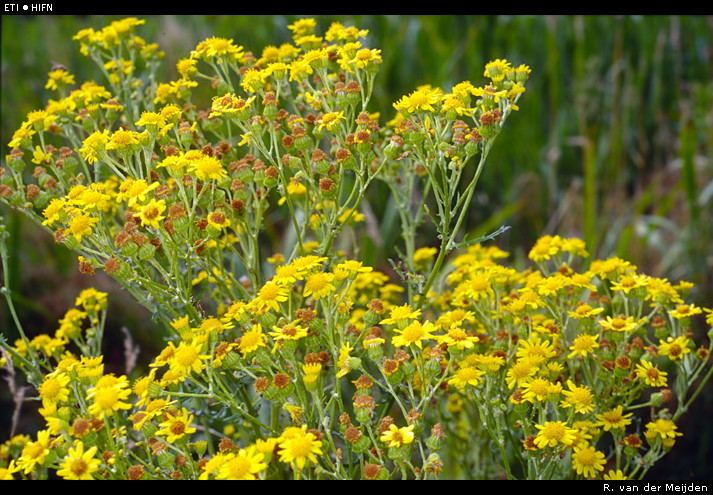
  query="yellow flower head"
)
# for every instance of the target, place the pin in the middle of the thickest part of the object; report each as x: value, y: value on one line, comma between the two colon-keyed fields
x: 298, y: 447
x: 397, y: 437
x: 79, y: 464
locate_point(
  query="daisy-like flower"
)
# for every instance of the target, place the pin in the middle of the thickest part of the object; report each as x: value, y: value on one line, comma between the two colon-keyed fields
x: 34, y: 453
x: 519, y: 373
x: 187, y: 358
x: 298, y: 447
x: 685, y: 311
x: 614, y: 419
x: 539, y: 389
x: 413, y: 334
x: 458, y: 339
x: 583, y: 345
x: 176, y: 426
x: 584, y: 311
x: 151, y: 214
x: 330, y: 121
x: 245, y: 465
x: 397, y: 437
x: 615, y: 475
x: 662, y: 428
x: 619, y: 323
x: 54, y: 389
x: 251, y: 340
x: 650, y: 374
x: 535, y: 350
x: 587, y: 460
x: 108, y: 396
x: 270, y: 296
x: 319, y: 285
x: 79, y: 464
x: 676, y: 348
x: 466, y: 376
x: 399, y: 314
x: 553, y: 434
x: 289, y: 331
x: 579, y: 398
x: 207, y: 168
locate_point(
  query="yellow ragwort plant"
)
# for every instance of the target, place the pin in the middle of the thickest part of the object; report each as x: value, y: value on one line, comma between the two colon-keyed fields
x: 305, y: 363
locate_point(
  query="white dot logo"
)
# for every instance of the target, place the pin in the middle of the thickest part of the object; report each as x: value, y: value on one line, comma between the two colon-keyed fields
x: 24, y: 7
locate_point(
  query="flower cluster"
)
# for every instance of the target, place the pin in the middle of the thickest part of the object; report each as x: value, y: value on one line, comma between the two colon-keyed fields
x: 308, y: 363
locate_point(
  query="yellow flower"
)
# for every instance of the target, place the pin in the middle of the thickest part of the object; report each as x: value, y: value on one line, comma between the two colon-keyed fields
x: 311, y: 372
x: 94, y: 145
x: 186, y: 67
x: 614, y: 419
x: 466, y: 376
x: 520, y: 372
x: 34, y: 453
x: 58, y: 78
x: 398, y: 314
x: 302, y: 27
x: 685, y: 311
x: 229, y: 105
x: 582, y: 345
x: 580, y: 398
x: 21, y: 135
x: 535, y: 350
x: 251, y: 340
x: 319, y: 285
x: 176, y: 426
x: 613, y: 475
x: 150, y: 214
x: 107, y: 396
x: 584, y: 311
x: 676, y: 348
x: 81, y: 225
x: 497, y: 69
x: 396, y: 437
x: 290, y: 331
x: 270, y: 296
x: 253, y: 80
x: 298, y: 447
x: 330, y: 121
x: 350, y: 268
x: 54, y: 389
x: 414, y: 333
x: 187, y: 358
x: 619, y: 323
x: 122, y: 140
x: 207, y: 167
x: 218, y: 220
x: 78, y: 464
x: 539, y: 389
x: 424, y: 254
x: 587, y: 460
x: 650, y: 374
x: 423, y: 99
x: 553, y: 434
x: 135, y: 190
x: 343, y: 366
x: 245, y: 465
x: 6, y: 473
x: 545, y: 248
x: 627, y: 283
x: 457, y: 338
x: 91, y: 300
x: 213, y: 47
x: 662, y: 428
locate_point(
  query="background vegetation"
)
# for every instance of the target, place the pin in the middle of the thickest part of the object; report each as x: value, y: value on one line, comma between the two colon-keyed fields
x: 614, y: 143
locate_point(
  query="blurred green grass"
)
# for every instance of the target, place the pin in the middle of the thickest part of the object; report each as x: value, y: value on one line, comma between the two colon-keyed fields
x: 614, y: 140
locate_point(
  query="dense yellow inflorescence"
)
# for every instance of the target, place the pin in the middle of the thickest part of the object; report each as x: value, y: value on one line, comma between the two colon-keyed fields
x: 310, y: 364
